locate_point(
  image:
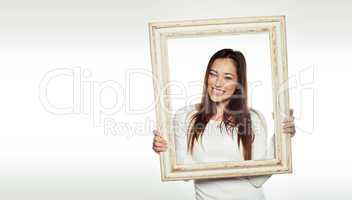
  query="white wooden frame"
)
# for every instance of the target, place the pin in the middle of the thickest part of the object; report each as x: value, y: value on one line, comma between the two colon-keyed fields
x: 160, y: 32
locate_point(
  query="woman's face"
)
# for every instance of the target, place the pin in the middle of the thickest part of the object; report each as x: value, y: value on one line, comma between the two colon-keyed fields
x: 222, y: 80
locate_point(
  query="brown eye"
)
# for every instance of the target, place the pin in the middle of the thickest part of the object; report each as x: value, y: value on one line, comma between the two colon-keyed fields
x: 212, y: 74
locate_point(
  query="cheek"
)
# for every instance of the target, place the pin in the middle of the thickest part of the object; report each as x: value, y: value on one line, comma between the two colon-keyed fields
x: 210, y: 81
x: 230, y: 87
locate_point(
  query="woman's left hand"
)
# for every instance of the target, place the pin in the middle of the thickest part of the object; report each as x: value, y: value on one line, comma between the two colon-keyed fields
x: 288, y: 125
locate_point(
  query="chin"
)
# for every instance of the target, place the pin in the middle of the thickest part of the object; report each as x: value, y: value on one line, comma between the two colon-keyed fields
x: 216, y: 99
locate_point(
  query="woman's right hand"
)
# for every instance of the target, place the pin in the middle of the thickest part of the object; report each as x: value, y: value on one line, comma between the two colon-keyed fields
x: 159, y: 143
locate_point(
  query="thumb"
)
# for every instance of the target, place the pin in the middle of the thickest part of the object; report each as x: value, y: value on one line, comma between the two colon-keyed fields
x: 156, y: 133
x: 291, y: 112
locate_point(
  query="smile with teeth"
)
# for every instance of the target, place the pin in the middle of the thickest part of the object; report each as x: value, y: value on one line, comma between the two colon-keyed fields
x: 217, y: 92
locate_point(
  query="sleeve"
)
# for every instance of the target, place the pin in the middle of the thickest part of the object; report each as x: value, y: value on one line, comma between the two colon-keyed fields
x: 259, y: 146
x: 180, y: 129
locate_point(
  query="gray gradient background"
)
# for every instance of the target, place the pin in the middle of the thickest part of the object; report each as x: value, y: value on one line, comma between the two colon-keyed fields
x: 46, y: 156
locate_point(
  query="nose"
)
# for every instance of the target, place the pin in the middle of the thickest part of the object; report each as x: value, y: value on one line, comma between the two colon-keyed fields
x: 219, y: 82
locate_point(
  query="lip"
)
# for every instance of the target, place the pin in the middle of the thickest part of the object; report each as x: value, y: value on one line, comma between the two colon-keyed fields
x: 218, y: 92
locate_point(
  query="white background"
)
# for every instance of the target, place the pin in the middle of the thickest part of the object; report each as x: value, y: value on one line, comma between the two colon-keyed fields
x: 46, y: 155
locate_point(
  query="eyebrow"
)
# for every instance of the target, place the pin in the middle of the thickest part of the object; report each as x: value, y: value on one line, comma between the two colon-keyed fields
x: 229, y: 74
x: 225, y: 73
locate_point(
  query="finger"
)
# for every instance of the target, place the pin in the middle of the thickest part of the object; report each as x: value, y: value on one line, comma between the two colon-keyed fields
x: 163, y: 142
x: 288, y: 119
x: 292, y: 133
x: 291, y: 112
x: 156, y: 150
x: 288, y: 127
x: 158, y: 135
x: 158, y: 144
x: 290, y: 130
x: 160, y: 139
x: 287, y: 124
x: 159, y: 149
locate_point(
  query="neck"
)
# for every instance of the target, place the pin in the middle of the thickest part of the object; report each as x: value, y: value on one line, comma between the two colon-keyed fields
x: 220, y: 107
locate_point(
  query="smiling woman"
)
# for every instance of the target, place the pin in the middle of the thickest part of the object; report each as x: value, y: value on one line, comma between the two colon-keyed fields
x: 225, y: 98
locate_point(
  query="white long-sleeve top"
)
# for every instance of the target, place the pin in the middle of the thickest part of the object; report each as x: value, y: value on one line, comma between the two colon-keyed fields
x: 217, y: 146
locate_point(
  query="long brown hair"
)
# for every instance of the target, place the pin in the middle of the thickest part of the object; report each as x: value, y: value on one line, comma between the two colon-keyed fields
x: 236, y: 113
